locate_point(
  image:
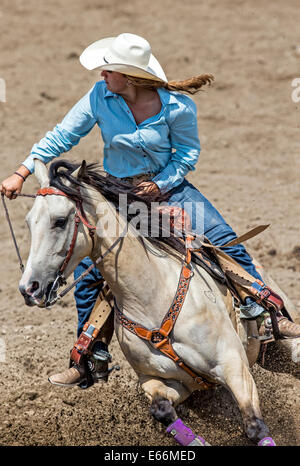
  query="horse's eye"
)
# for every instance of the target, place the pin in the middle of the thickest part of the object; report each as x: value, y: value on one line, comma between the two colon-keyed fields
x: 60, y: 222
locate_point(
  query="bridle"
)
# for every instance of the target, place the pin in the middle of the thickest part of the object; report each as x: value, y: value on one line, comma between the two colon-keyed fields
x: 80, y: 217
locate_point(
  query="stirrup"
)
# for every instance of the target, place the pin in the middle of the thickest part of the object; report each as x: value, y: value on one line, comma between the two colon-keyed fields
x: 265, y: 328
x: 102, y: 355
x: 95, y: 374
x: 96, y: 366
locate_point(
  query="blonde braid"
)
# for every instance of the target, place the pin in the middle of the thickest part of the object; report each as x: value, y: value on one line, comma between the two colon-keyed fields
x: 191, y: 85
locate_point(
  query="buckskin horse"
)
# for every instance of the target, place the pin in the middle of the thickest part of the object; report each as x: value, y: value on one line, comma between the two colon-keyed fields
x: 143, y: 274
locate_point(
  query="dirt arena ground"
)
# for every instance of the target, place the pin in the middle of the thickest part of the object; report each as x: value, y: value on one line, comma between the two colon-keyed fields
x: 249, y: 168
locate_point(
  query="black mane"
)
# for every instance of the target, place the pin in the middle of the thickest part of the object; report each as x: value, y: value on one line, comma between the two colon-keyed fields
x: 94, y: 176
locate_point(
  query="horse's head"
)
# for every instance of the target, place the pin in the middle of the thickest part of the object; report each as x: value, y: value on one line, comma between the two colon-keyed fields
x: 52, y: 224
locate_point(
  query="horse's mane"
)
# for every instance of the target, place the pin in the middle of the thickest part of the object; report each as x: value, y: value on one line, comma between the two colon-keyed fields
x: 110, y: 188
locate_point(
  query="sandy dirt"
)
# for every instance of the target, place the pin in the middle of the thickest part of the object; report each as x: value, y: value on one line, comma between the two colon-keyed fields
x: 249, y: 168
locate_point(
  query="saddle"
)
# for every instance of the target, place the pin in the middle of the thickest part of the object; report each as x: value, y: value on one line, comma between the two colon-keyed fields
x: 226, y: 270
x: 241, y: 284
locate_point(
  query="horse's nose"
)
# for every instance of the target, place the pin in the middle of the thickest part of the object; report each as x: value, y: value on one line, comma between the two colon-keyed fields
x: 29, y: 289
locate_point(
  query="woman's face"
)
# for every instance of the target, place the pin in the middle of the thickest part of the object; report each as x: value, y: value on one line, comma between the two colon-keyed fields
x: 115, y: 82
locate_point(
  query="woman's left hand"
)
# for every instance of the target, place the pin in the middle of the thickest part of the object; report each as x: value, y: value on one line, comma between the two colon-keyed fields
x: 147, y: 188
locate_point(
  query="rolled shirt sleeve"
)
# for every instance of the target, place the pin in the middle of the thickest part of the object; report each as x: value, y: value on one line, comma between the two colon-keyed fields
x: 185, y: 143
x: 76, y: 124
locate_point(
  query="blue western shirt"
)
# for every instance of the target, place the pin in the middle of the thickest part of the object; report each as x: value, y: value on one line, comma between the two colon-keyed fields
x: 165, y: 144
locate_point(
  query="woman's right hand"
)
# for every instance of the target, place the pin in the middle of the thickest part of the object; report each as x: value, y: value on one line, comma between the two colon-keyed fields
x: 12, y: 186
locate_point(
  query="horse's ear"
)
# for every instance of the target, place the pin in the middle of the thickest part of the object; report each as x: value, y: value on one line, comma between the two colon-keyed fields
x: 79, y: 173
x: 41, y: 172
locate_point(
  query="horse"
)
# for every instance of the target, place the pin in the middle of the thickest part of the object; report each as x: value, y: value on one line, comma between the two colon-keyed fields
x: 142, y: 273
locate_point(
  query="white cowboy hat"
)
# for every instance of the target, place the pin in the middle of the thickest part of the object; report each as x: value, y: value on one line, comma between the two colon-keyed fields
x: 127, y: 53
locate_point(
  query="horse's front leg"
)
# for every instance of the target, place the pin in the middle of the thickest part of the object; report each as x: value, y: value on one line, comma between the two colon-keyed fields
x: 239, y: 381
x: 164, y: 395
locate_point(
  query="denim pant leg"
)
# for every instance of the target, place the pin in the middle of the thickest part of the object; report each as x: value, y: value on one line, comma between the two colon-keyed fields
x: 86, y: 297
x: 208, y: 221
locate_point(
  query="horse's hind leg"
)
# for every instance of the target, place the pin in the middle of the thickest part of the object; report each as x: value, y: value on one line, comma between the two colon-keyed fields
x: 164, y: 395
x: 242, y: 386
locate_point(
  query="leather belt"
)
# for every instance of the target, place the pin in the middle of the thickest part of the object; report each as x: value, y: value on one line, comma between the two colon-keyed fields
x: 134, y: 180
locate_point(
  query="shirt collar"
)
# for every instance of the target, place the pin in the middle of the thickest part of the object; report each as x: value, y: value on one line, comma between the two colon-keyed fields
x: 108, y: 93
x: 166, y: 97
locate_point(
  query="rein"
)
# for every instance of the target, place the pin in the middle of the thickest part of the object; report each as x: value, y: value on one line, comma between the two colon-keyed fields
x: 11, y: 228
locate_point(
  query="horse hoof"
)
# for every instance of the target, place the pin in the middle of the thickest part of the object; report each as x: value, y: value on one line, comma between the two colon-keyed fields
x: 163, y: 411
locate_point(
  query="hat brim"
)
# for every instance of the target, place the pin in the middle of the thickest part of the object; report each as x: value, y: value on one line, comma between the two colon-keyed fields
x: 93, y: 58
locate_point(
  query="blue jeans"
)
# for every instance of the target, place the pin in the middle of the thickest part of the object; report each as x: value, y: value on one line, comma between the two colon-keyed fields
x: 208, y: 221
x: 85, y: 295
x: 205, y: 220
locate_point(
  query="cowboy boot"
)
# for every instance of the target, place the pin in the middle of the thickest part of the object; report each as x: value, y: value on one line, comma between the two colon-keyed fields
x: 68, y: 378
x: 287, y: 328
